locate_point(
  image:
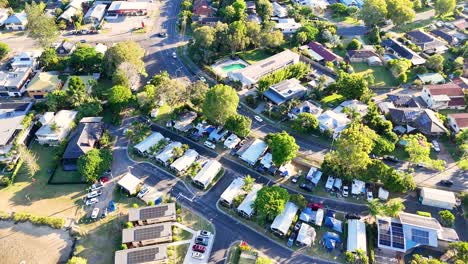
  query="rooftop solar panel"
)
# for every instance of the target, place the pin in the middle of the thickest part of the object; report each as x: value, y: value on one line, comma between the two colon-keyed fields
x: 142, y: 256
x: 154, y: 212
x: 384, y: 233
x: 148, y: 233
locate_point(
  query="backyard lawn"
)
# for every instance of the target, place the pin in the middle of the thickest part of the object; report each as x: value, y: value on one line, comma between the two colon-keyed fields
x: 332, y: 100
x: 253, y: 56
x: 383, y: 77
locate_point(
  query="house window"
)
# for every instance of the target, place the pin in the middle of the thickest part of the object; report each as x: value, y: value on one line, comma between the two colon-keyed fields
x: 420, y: 236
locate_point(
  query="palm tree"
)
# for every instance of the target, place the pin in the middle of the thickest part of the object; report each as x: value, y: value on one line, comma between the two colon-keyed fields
x: 248, y: 183
x: 393, y: 207
x: 375, y: 207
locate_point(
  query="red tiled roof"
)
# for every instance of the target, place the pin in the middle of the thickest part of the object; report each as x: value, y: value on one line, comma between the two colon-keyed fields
x: 461, y: 119
x: 461, y: 24
x: 457, y: 101
x: 449, y: 89
x: 324, y: 52
x: 460, y: 82
x: 201, y: 8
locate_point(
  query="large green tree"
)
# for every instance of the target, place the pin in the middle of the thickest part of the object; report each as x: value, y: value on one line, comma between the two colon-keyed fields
x: 85, y: 59
x: 351, y: 86
x: 270, y: 202
x: 305, y: 123
x: 49, y: 58
x: 4, y: 49
x: 77, y: 260
x: 435, y: 62
x: 76, y: 92
x: 94, y: 163
x: 41, y: 27
x: 400, y: 11
x: 444, y: 7
x: 419, y: 150
x: 119, y: 96
x: 127, y: 51
x: 264, y: 9
x: 461, y: 251
x: 373, y: 12
x: 239, y: 125
x: 283, y: 147
x: 220, y: 103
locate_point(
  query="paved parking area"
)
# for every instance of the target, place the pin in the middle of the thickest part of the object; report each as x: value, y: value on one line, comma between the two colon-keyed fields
x: 190, y: 260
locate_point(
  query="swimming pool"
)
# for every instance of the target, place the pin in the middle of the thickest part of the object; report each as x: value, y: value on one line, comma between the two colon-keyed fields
x: 232, y: 67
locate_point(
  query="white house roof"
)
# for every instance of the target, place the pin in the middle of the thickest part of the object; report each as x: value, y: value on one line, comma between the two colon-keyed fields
x: 101, y: 48
x: 46, y: 118
x: 148, y: 142
x: 208, y: 172
x: 69, y: 13
x: 129, y: 183
x: 383, y: 194
x: 287, y: 24
x: 166, y: 153
x: 438, y: 195
x: 232, y: 190
x: 96, y: 11
x: 231, y: 141
x: 306, y: 234
x: 255, y: 150
x: 358, y: 187
x: 267, y: 160
x: 247, y: 205
x: 279, y: 10
x: 333, y: 121
x: 124, y: 5
x: 63, y: 120
x: 11, y: 118
x: 356, y: 105
x: 356, y: 235
x: 284, y: 220
x: 17, y: 18
x: 185, y: 161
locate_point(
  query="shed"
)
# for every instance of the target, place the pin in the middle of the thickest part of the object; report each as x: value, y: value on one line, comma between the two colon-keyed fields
x: 148, y: 142
x: 358, y: 187
x: 254, y: 151
x: 246, y: 207
x: 306, y: 235
x: 129, y: 183
x: 437, y: 198
x: 334, y: 224
x: 314, y: 175
x: 231, y: 191
x: 338, y: 184
x: 356, y: 235
x: 383, y: 194
x: 284, y: 220
x: 207, y: 173
x: 329, y: 184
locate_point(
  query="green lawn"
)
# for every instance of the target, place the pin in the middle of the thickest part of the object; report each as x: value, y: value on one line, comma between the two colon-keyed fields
x: 253, y: 56
x: 346, y: 19
x: 332, y: 100
x: 194, y: 221
x: 383, y: 77
x: 61, y: 176
x: 414, y: 25
x: 177, y: 254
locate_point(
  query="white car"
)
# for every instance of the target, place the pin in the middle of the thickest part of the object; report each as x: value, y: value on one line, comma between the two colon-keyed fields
x: 95, y: 213
x: 209, y: 144
x: 345, y: 191
x: 174, y: 55
x: 258, y: 118
x: 436, y: 145
x: 97, y: 186
x: 92, y: 201
x: 370, y: 196
x: 94, y: 194
x: 143, y: 192
x: 197, y: 255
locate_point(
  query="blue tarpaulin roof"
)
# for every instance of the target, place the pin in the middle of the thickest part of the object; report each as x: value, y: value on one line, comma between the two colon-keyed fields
x: 333, y: 223
x: 332, y: 236
x: 330, y: 244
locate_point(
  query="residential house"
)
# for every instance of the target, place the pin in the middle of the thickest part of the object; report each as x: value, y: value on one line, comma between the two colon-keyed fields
x: 183, y: 163
x: 396, y: 48
x: 437, y: 198
x: 287, y: 25
x: 252, y: 151
x: 405, y: 100
x: 246, y: 209
x: 95, y: 14
x: 206, y: 21
x: 156, y: 254
x: 65, y: 48
x: 461, y: 24
x: 321, y: 53
x: 283, y: 221
x: 444, y: 96
x: 144, y: 147
x: 285, y: 91
x: 458, y: 122
x: 305, y: 107
x: 426, y: 42
x: 408, y: 231
x: 141, y: 236
x: 202, y: 8
x: 317, y: 5
x: 447, y: 35
x: 42, y: 84
x: 364, y: 55
x: 12, y: 114
x: 333, y: 122
x: 306, y: 235
x: 13, y: 83
x: 352, y: 105
x: 431, y: 78
x: 184, y: 121
x: 165, y: 156
x: 207, y: 174
x: 356, y: 235
x: 424, y: 120
x: 22, y: 62
x: 74, y: 8
x: 4, y: 14
x: 130, y: 184
x: 57, y: 129
x: 279, y: 10
x: 124, y: 8
x: 251, y: 74
x: 234, y: 189
x: 218, y: 134
x: 147, y: 215
x: 85, y: 138
x: 17, y: 22
x: 232, y: 141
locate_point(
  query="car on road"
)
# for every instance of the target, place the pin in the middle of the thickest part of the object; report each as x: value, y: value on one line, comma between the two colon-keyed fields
x: 306, y: 187
x: 345, y: 191
x: 202, y: 241
x: 104, y: 213
x: 144, y: 190
x: 82, y: 40
x: 174, y: 55
x: 162, y: 34
x: 92, y: 201
x: 199, y: 248
x: 447, y: 183
x: 370, y: 196
x: 95, y: 213
x: 315, y: 206
x: 436, y: 145
x: 209, y: 144
x: 258, y: 118
x: 104, y: 179
x: 197, y: 255
x: 94, y: 194
x: 295, y: 179
x: 205, y: 233
x: 97, y: 186
x: 391, y: 158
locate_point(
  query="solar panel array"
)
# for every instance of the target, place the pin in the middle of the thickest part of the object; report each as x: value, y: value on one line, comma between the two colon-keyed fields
x: 398, y: 239
x: 142, y: 256
x: 148, y: 233
x: 384, y: 233
x: 154, y: 212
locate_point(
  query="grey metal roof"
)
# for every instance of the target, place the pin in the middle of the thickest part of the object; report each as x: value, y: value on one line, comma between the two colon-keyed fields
x: 11, y: 117
x: 420, y: 221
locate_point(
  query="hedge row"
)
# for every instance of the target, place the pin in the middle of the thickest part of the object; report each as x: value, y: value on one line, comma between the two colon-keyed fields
x: 53, y: 222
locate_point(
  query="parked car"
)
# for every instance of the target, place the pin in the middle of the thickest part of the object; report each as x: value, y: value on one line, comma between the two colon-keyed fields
x: 306, y: 187
x: 261, y: 169
x: 370, y: 196
x: 201, y: 78
x: 352, y: 216
x: 197, y: 255
x: 95, y: 213
x: 162, y: 34
x: 94, y: 194
x: 258, y: 118
x: 195, y: 136
x: 143, y: 191
x: 297, y: 226
x: 295, y: 179
x: 447, y: 183
x: 97, y: 186
x: 174, y: 55
x: 205, y: 233
x: 436, y: 145
x: 315, y: 206
x: 199, y: 248
x: 291, y: 239
x: 104, y: 213
x: 92, y: 201
x: 391, y: 158
x: 345, y: 191
x: 202, y: 241
x: 104, y: 179
x: 209, y: 144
